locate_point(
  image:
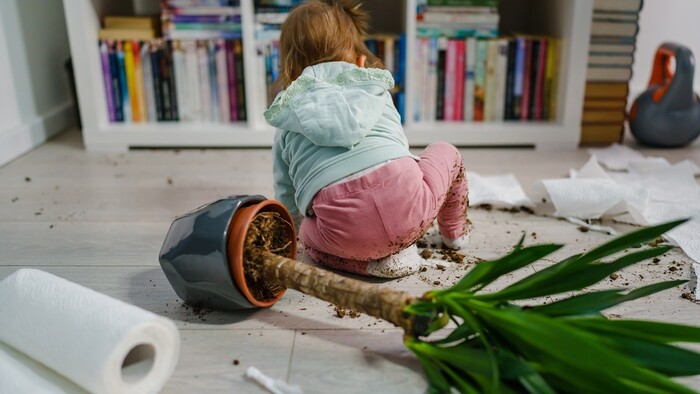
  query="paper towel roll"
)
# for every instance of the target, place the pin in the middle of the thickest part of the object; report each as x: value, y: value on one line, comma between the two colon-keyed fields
x: 99, y: 343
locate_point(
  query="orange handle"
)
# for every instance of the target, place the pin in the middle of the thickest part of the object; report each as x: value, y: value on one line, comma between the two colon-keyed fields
x: 663, y: 73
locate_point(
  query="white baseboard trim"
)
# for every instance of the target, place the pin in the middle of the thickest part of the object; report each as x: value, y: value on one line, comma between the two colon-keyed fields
x: 19, y: 140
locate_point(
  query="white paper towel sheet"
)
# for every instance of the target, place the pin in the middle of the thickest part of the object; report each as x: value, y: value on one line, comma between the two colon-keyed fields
x: 501, y: 191
x: 96, y: 342
x: 652, y: 191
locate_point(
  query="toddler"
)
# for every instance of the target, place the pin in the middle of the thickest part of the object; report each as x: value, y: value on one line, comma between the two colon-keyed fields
x: 341, y: 160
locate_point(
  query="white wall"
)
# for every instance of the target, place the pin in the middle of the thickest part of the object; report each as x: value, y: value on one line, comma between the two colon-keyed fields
x: 34, y: 89
x: 661, y: 21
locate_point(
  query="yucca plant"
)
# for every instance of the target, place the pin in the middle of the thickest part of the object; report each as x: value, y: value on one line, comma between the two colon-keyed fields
x: 565, y: 346
x: 498, y: 346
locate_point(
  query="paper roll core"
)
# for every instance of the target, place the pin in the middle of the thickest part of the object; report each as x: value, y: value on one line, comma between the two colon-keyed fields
x: 138, y: 363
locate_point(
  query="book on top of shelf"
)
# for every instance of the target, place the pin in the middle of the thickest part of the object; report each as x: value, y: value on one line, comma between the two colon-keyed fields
x: 606, y: 89
x: 202, y: 3
x: 604, y: 133
x: 127, y: 34
x: 621, y: 74
x: 610, y: 104
x: 131, y: 22
x: 606, y: 16
x: 611, y: 49
x: 610, y: 60
x: 618, y: 5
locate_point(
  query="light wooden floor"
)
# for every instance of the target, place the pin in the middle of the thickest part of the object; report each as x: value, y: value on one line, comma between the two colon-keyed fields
x: 99, y: 220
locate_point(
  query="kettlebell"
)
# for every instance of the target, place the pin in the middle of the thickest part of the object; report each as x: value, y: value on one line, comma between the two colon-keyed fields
x: 667, y: 114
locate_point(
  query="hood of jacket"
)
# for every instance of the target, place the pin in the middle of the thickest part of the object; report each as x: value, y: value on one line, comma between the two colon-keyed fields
x: 332, y: 104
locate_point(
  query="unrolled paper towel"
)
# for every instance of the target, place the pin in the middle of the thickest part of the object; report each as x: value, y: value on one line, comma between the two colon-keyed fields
x: 99, y: 343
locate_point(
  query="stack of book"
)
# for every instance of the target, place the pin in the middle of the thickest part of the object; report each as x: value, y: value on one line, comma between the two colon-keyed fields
x: 466, y: 73
x: 391, y: 50
x: 611, y: 57
x: 201, y: 19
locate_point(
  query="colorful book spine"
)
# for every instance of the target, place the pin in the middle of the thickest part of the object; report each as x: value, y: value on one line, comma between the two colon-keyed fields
x: 194, y: 101
x: 450, y: 81
x: 116, y: 84
x: 123, y: 87
x: 460, y: 76
x: 240, y: 81
x: 525, y: 101
x: 519, y: 80
x: 180, y: 69
x: 441, y: 63
x: 213, y: 82
x: 540, y: 81
x: 534, y: 71
x: 107, y: 79
x: 501, y: 78
x: 469, y: 84
x: 138, y: 78
x: 131, y: 81
x: 491, y: 81
x: 222, y: 81
x: 480, y: 79
x: 433, y: 79
x: 204, y: 85
x: 231, y: 73
x: 553, y: 79
x: 510, y: 80
x: 157, y: 80
x: 172, y: 86
x: 147, y: 72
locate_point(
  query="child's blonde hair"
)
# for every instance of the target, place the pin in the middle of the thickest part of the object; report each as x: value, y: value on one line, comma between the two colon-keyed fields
x: 321, y: 31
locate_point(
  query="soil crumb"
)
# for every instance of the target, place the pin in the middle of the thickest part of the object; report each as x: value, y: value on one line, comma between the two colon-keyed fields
x: 426, y: 254
x: 268, y: 232
x: 452, y: 256
x: 687, y: 296
x: 236, y: 362
x: 583, y: 229
x: 341, y: 312
x: 614, y: 276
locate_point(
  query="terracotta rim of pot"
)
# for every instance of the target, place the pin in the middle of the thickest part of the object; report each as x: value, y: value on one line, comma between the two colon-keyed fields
x: 240, y: 224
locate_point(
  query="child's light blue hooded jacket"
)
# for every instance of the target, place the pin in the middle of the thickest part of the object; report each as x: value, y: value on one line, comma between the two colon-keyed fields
x: 334, y: 120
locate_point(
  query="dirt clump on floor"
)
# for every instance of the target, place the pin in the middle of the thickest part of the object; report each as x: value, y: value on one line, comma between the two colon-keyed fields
x: 426, y: 254
x: 341, y: 312
x: 268, y: 232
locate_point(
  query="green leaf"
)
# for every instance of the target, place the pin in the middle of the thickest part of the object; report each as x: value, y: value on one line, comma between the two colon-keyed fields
x: 573, y: 277
x: 592, y: 303
x: 462, y: 333
x: 573, y: 354
x: 487, y: 272
x: 438, y: 383
x: 655, y: 331
x: 630, y: 239
x: 534, y: 383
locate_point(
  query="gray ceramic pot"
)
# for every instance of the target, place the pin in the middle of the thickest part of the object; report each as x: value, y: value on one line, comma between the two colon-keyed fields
x: 196, y: 255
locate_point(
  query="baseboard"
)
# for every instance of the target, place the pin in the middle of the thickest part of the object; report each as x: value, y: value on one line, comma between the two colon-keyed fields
x: 19, y: 140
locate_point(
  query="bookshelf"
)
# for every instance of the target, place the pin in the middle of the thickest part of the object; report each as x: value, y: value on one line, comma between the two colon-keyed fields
x: 569, y: 20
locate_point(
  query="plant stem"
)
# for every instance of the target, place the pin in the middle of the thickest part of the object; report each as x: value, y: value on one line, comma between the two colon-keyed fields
x: 372, y: 299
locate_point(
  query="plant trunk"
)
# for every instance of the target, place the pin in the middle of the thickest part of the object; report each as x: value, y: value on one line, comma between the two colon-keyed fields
x: 360, y: 296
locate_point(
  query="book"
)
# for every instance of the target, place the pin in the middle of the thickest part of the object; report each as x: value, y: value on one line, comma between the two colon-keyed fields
x: 611, y: 60
x: 464, y: 3
x: 131, y: 81
x: 204, y: 85
x: 157, y: 80
x: 480, y: 79
x: 602, y: 133
x: 432, y: 79
x: 240, y: 80
x: 618, y: 5
x: 533, y: 77
x: 116, y: 82
x: 193, y: 98
x: 222, y: 81
x: 552, y: 79
x: 147, y: 71
x: 527, y: 79
x: 487, y: 19
x: 469, y: 84
x: 611, y: 104
x: 611, y: 74
x: 421, y: 66
x: 459, y: 80
x: 126, y: 34
x: 123, y: 84
x: 170, y: 79
x: 449, y: 107
x: 540, y: 80
x: 614, y: 29
x: 213, y: 82
x: 138, y: 82
x: 440, y: 94
x: 131, y: 22
x: 491, y: 80
x: 606, y: 90
x: 501, y: 79
x: 519, y: 77
x: 508, y: 113
x: 107, y: 79
x: 231, y: 79
x: 611, y: 49
x: 180, y: 69
x: 600, y: 116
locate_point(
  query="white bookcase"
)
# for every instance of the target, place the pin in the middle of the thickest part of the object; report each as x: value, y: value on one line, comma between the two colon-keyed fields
x: 569, y: 20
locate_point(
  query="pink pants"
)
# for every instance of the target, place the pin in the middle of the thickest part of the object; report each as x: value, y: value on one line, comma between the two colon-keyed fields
x: 387, y: 210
